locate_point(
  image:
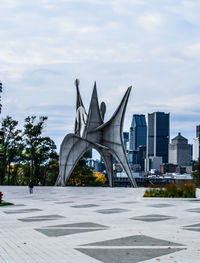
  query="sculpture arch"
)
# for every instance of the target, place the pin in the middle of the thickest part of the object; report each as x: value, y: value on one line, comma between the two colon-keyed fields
x: 106, y: 138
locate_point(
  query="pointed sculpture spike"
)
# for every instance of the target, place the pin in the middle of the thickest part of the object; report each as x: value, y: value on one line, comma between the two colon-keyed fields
x: 103, y: 109
x: 94, y: 115
x: 81, y: 115
x: 79, y: 101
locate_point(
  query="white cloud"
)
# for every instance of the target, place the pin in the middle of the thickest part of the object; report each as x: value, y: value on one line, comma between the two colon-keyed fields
x: 192, y: 51
x: 9, y: 3
x: 151, y: 22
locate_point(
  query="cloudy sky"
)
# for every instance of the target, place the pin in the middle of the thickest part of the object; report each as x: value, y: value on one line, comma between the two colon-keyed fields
x: 152, y: 45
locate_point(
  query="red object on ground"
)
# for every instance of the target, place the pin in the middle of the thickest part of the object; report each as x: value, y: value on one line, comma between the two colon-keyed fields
x: 1, y: 195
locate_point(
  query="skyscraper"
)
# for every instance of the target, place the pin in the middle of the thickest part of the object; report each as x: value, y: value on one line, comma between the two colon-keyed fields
x: 197, y: 131
x: 158, y: 135
x: 126, y: 139
x: 138, y: 141
x: 138, y: 132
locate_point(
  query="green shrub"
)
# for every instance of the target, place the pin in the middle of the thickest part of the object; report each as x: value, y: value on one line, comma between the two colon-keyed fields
x: 5, y: 204
x: 187, y: 190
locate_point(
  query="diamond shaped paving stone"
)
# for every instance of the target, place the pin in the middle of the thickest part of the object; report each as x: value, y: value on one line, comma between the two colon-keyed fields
x: 112, y: 211
x: 152, y: 218
x: 69, y: 229
x: 126, y: 255
x: 51, y: 232
x: 41, y: 218
x: 106, y: 200
x: 81, y: 225
x: 195, y: 227
x: 138, y: 240
x: 84, y: 206
x: 22, y: 211
x: 126, y: 250
x: 160, y: 205
x: 197, y: 210
x: 130, y: 202
x: 64, y: 202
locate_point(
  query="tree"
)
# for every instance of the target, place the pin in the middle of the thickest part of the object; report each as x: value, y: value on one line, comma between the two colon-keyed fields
x: 82, y: 173
x: 11, y: 147
x: 38, y: 149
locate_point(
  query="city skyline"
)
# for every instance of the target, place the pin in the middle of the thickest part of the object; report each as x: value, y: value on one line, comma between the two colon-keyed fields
x: 151, y: 45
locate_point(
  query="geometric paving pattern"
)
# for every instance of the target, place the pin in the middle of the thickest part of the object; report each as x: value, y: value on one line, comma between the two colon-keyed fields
x: 41, y: 218
x: 196, y: 210
x: 125, y: 249
x: 22, y: 211
x: 83, y: 235
x: 195, y: 227
x: 112, y: 211
x: 160, y: 205
x: 69, y: 229
x: 152, y: 218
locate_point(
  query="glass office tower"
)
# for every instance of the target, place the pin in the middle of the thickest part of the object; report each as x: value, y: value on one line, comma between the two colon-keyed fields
x: 138, y: 132
x: 158, y: 135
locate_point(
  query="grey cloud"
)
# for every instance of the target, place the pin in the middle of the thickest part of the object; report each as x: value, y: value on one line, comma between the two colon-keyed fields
x: 47, y: 44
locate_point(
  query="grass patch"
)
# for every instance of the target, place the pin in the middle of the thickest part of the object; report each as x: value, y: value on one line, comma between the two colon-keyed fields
x: 5, y: 204
x: 177, y: 190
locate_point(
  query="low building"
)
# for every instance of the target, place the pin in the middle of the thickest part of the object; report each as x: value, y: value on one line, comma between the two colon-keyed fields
x: 153, y: 162
x: 168, y: 168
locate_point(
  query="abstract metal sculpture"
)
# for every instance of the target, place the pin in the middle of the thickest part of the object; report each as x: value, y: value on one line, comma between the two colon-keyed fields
x: 92, y: 132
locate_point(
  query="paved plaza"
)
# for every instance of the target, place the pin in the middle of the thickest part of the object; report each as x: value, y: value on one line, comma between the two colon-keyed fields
x: 82, y: 224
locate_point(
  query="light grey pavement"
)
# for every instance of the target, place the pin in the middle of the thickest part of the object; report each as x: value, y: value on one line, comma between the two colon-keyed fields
x: 82, y: 224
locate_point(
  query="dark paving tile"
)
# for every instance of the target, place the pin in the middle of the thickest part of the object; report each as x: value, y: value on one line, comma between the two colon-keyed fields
x: 126, y: 255
x: 64, y: 202
x: 138, y: 240
x: 195, y: 227
x: 160, y: 205
x: 84, y: 206
x: 112, y: 211
x: 107, y: 200
x: 196, y: 210
x: 51, y: 232
x: 152, y: 218
x: 130, y: 202
x: 84, y: 224
x: 22, y: 211
x: 15, y: 205
x: 41, y: 218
